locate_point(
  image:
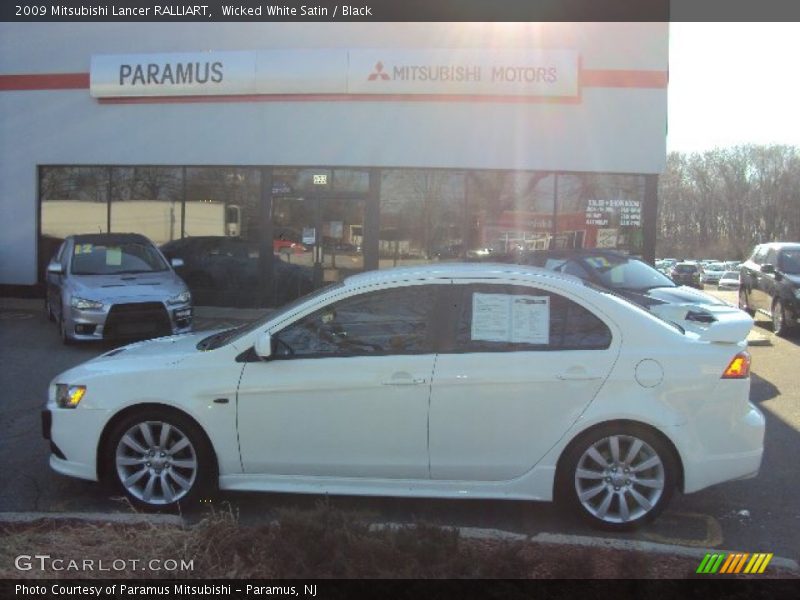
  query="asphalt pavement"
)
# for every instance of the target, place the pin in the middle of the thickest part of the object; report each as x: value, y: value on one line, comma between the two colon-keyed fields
x: 755, y: 515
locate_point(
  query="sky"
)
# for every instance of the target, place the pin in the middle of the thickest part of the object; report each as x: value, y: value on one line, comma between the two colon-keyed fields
x: 733, y: 83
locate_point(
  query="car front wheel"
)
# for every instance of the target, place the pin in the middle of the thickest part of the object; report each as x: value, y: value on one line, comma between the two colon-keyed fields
x: 618, y: 477
x: 160, y: 459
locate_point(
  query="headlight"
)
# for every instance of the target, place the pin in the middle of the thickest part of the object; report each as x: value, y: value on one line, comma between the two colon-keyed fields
x: 797, y: 293
x: 68, y: 396
x: 84, y: 304
x: 182, y: 298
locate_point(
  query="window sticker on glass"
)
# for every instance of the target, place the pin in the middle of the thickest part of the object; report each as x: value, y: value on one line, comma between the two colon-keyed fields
x: 491, y: 317
x: 530, y: 319
x: 511, y: 318
x: 83, y: 249
x: 114, y: 256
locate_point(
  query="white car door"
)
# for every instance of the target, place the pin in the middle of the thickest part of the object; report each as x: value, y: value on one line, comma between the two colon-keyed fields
x: 523, y: 365
x: 346, y: 392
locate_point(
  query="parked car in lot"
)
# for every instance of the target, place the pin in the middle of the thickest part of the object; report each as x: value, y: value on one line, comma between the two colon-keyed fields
x: 770, y: 284
x: 227, y: 269
x: 640, y: 283
x: 729, y: 281
x: 115, y: 285
x: 687, y: 273
x: 712, y: 272
x: 447, y: 381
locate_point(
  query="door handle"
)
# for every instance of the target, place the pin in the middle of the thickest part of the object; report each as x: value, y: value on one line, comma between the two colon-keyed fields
x: 404, y: 379
x: 576, y: 377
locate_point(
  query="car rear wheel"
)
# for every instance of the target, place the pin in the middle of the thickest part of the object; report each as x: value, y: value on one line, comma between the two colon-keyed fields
x: 618, y: 476
x: 160, y: 460
x: 779, y: 325
x: 743, y: 305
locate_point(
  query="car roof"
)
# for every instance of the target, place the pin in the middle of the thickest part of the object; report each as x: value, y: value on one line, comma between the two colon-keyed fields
x: 109, y: 238
x: 780, y: 245
x: 460, y: 271
x: 580, y: 252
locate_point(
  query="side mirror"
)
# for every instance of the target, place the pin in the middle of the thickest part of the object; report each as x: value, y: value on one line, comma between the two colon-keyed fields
x: 263, y: 345
x: 176, y: 263
x: 55, y: 268
x: 767, y: 268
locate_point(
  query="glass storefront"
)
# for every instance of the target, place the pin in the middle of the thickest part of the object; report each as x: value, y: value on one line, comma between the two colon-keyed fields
x: 261, y: 236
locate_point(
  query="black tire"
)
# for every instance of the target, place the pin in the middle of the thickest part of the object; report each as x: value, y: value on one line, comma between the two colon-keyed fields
x: 62, y: 332
x: 779, y: 325
x: 612, y: 489
x: 743, y: 304
x: 48, y: 311
x: 194, y: 486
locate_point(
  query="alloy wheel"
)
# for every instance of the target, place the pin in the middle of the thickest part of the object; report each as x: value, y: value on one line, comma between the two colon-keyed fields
x: 156, y: 463
x: 619, y: 479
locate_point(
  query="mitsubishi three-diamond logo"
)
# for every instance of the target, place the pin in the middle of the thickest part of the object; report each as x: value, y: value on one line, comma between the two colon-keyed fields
x: 379, y: 74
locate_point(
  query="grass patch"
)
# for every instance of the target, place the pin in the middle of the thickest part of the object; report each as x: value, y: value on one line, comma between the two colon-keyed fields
x: 320, y: 543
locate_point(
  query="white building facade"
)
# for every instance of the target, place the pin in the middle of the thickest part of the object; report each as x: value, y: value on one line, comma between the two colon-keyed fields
x: 331, y: 147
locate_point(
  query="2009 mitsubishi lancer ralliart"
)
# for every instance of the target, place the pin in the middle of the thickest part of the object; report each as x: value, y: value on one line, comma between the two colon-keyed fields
x: 446, y: 381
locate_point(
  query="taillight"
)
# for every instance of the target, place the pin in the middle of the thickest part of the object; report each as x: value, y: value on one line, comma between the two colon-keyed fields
x: 739, y: 367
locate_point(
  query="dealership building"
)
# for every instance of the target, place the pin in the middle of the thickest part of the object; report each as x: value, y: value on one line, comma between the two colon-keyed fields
x: 274, y: 157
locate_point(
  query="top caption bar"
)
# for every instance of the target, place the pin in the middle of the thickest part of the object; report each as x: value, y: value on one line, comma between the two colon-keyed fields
x: 329, y: 10
x: 400, y: 10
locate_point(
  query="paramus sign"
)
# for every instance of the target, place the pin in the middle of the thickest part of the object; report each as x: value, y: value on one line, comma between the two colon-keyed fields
x: 482, y: 72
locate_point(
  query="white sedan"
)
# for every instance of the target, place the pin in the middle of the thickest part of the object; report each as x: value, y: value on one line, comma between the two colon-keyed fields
x: 446, y: 381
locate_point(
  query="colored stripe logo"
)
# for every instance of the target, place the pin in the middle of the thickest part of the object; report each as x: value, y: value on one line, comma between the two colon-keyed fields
x: 734, y: 562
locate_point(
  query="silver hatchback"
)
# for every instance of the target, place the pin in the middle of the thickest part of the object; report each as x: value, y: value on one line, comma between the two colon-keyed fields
x: 115, y: 285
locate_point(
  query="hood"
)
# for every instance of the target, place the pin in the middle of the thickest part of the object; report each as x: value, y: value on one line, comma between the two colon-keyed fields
x: 150, y: 354
x: 170, y: 349
x: 158, y: 286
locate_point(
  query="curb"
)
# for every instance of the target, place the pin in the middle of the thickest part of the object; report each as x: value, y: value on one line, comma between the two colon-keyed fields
x: 559, y: 539
x: 123, y: 518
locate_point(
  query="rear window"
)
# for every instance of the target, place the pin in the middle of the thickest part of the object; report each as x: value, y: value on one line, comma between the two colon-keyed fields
x: 686, y: 268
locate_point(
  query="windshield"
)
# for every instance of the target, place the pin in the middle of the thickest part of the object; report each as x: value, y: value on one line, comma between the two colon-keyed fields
x: 730, y: 275
x: 626, y: 273
x: 790, y: 261
x: 116, y: 259
x: 231, y: 335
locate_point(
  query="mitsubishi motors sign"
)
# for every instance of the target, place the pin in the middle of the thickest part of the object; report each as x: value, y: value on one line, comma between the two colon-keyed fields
x: 484, y: 72
x: 551, y: 73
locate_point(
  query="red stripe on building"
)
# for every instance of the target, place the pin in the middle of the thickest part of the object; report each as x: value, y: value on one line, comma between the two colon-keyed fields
x: 588, y: 78
x: 337, y: 98
x: 45, y: 81
x: 623, y: 79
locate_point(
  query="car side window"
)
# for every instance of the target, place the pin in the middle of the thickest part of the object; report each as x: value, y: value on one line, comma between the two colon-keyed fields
x: 393, y: 321
x: 507, y: 318
x: 772, y: 257
x: 789, y: 261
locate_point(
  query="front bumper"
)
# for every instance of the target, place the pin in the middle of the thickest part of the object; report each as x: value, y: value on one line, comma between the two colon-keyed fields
x: 74, y: 434
x: 91, y: 324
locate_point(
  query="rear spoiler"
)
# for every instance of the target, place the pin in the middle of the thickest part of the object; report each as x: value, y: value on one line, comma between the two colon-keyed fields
x: 722, y: 323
